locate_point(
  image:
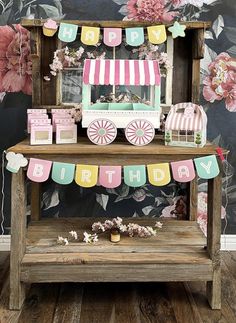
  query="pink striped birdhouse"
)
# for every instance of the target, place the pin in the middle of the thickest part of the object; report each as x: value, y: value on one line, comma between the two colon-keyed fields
x: 186, y: 125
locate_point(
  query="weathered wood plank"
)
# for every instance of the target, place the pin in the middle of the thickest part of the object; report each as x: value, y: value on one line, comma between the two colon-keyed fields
x: 36, y: 34
x: 193, y: 200
x: 40, y: 304
x: 182, y: 304
x: 119, y: 273
x: 115, y: 23
x: 68, y: 308
x: 118, y: 257
x: 155, y: 304
x: 198, y: 43
x: 98, y: 304
x: 213, y: 240
x: 84, y: 147
x: 35, y: 201
x: 18, y: 233
x: 195, y: 87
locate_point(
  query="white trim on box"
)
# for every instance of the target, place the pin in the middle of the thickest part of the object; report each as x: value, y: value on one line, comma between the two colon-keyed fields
x: 5, y: 242
x: 228, y: 242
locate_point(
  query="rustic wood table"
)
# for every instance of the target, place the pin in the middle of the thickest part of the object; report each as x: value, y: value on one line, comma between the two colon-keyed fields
x: 180, y: 252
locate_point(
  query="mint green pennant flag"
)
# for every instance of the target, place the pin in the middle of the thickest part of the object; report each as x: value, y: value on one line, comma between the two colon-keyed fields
x: 207, y: 167
x: 135, y: 176
x: 63, y: 173
x: 134, y: 36
x: 67, y: 32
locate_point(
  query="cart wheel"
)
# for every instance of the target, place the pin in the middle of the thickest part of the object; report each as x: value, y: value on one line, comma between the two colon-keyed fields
x: 139, y: 132
x: 101, y: 131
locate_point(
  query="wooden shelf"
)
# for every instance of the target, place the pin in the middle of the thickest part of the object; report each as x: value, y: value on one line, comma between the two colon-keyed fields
x: 176, y: 253
x: 114, y: 23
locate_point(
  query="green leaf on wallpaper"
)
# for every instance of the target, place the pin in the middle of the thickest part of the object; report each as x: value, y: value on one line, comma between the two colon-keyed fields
x: 45, y: 11
x: 4, y: 17
x: 230, y: 33
x: 232, y: 51
x: 102, y: 199
x: 123, y: 10
x: 218, y: 26
x: 120, y: 2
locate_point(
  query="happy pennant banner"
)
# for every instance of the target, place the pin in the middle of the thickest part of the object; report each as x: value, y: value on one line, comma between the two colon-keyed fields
x: 112, y: 37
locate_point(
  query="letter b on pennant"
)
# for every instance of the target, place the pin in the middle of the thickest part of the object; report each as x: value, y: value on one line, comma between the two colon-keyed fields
x: 39, y: 170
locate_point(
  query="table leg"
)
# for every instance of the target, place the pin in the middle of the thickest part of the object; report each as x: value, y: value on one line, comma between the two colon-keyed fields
x: 35, y: 201
x: 192, y: 199
x: 18, y: 231
x: 213, y: 240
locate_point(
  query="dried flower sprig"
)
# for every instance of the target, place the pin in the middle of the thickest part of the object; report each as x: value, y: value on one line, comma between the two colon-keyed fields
x: 132, y: 229
x: 90, y: 238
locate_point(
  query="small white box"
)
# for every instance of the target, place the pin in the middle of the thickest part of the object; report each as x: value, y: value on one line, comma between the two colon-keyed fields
x: 41, y: 135
x: 66, y: 134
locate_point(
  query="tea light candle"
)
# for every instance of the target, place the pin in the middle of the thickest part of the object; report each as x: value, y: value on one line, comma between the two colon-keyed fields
x: 115, y: 235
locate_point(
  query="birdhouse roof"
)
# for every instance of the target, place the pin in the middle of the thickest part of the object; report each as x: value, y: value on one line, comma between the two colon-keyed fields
x: 121, y: 72
x: 186, y: 116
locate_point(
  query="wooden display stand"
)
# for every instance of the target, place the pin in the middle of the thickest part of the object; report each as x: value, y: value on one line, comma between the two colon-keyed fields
x: 177, y: 253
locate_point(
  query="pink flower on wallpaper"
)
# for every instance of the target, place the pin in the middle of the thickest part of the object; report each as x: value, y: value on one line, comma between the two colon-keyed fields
x: 221, y: 82
x: 177, y: 209
x: 15, y: 63
x: 202, y: 212
x: 150, y: 10
x: 139, y: 195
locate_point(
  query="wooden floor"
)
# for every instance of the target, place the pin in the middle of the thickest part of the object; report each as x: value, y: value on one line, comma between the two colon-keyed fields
x: 121, y: 303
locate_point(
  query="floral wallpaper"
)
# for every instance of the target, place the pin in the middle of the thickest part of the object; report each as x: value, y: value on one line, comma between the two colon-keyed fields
x: 218, y: 71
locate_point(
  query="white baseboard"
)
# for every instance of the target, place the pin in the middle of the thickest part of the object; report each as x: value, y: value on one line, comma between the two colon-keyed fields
x: 228, y: 242
x: 5, y: 242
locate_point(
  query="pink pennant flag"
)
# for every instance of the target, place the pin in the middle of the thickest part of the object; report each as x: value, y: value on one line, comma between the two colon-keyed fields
x: 183, y: 171
x: 112, y: 36
x: 39, y: 170
x: 110, y: 176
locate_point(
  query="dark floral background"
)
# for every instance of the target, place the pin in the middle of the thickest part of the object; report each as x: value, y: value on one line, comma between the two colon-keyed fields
x: 218, y: 71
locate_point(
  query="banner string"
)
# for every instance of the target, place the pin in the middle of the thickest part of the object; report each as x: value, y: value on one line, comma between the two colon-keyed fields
x: 3, y: 193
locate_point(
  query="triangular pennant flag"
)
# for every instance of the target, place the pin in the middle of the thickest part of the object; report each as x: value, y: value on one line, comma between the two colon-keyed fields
x: 39, y: 170
x: 112, y: 37
x: 90, y: 35
x: 63, y: 173
x: 86, y: 175
x: 67, y: 32
x: 207, y: 167
x: 157, y: 34
x: 110, y: 176
x: 135, y: 176
x: 183, y: 171
x: 159, y: 174
x: 134, y: 36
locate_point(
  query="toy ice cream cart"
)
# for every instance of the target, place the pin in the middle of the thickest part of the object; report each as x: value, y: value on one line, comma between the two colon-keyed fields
x: 138, y: 119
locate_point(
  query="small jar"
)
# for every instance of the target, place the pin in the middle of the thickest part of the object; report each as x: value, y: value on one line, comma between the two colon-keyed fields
x: 115, y: 235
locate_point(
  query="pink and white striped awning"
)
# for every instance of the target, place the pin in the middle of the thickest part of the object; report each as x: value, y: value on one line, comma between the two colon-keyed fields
x: 185, y: 120
x: 121, y: 72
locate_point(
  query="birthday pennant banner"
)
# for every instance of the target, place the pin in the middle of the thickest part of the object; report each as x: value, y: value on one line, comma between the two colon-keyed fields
x: 112, y: 37
x: 111, y: 176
